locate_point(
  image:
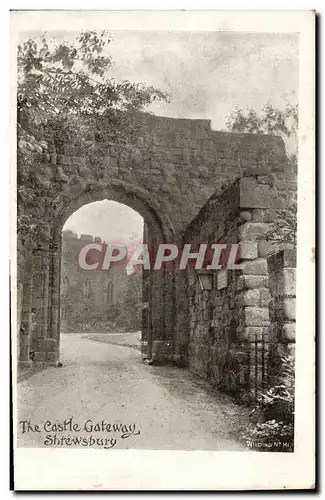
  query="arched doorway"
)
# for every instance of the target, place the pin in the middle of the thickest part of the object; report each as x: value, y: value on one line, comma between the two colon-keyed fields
x: 103, y: 304
x: 158, y: 326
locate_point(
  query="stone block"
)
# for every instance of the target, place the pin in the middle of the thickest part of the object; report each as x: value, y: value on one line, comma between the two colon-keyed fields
x: 262, y: 215
x: 252, y: 231
x: 51, y: 357
x: 255, y: 170
x: 39, y: 357
x: 253, y: 194
x: 289, y: 332
x: 266, y: 332
x: 256, y: 267
x: 161, y: 351
x: 265, y: 297
x: 290, y: 308
x: 255, y: 281
x: 203, y: 172
x: 24, y: 353
x: 265, y: 179
x: 291, y: 349
x: 289, y: 281
x: 50, y: 345
x: 245, y: 216
x: 24, y: 340
x: 248, y: 250
x: 251, y: 297
x: 252, y: 333
x: 266, y: 248
x: 277, y: 202
x: 155, y: 171
x: 256, y: 316
x: 240, y: 283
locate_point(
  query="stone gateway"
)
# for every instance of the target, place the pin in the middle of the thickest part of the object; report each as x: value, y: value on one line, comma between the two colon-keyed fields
x: 191, y: 185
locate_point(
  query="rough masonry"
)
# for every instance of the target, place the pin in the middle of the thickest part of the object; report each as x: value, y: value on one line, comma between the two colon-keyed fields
x: 172, y: 176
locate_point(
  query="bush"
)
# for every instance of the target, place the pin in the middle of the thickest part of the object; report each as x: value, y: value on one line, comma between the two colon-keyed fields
x: 272, y: 425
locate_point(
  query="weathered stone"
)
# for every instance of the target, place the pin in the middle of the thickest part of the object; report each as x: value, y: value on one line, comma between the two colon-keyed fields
x: 251, y: 298
x: 291, y: 349
x: 51, y: 357
x: 50, y: 345
x: 255, y: 170
x: 265, y: 297
x: 24, y: 353
x: 173, y: 196
x: 245, y: 216
x: 277, y: 202
x: 253, y: 194
x: 203, y: 172
x: 39, y: 357
x: 155, y: 172
x: 25, y: 340
x: 252, y: 333
x: 290, y: 308
x: 265, y: 179
x: 251, y: 231
x: 289, y: 282
x: 262, y: 215
x: 248, y: 250
x: 289, y: 331
x: 255, y: 267
x: 266, y: 248
x: 256, y: 316
x: 255, y: 281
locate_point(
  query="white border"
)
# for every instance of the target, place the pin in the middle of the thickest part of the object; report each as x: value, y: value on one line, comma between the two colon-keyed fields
x: 82, y: 469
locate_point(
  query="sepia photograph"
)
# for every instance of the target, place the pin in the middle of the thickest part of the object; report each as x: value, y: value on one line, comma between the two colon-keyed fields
x: 155, y: 236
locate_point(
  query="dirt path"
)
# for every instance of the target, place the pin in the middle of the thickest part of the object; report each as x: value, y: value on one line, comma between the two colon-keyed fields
x: 152, y: 407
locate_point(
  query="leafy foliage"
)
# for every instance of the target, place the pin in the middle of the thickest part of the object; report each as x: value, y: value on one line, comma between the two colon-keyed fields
x: 273, y: 415
x: 271, y: 121
x: 65, y: 96
x: 283, y: 230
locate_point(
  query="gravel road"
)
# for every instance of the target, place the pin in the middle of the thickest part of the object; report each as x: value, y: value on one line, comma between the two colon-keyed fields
x: 104, y: 396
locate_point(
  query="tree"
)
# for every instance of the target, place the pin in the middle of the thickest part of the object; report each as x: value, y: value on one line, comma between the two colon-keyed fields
x: 271, y: 121
x: 282, y: 231
x: 65, y: 96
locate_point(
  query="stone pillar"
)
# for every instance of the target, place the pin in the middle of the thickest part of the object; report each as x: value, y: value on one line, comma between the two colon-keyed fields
x: 182, y: 316
x: 19, y: 282
x: 41, y: 344
x: 25, y: 326
x: 53, y: 353
x: 282, y: 271
x: 145, y: 334
x: 256, y: 203
x: 255, y: 322
x: 159, y: 342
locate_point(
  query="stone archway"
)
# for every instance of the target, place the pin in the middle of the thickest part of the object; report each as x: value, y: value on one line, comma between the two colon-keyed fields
x: 171, y: 171
x: 44, y: 313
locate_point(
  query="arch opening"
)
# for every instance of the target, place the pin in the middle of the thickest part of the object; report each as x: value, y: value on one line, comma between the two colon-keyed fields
x: 157, y: 287
x: 102, y: 304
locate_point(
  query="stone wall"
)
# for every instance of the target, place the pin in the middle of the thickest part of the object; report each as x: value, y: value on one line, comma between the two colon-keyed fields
x: 87, y: 294
x: 282, y: 276
x: 229, y: 326
x: 167, y: 174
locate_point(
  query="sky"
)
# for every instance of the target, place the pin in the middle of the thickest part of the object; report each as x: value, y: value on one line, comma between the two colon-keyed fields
x: 208, y: 74
x: 112, y: 221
